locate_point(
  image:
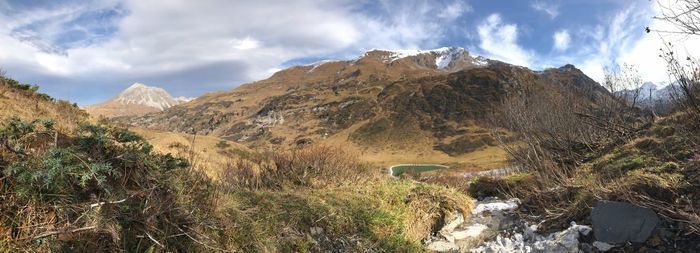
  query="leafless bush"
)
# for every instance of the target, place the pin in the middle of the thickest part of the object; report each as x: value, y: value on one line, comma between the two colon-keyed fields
x: 685, y: 91
x: 684, y: 16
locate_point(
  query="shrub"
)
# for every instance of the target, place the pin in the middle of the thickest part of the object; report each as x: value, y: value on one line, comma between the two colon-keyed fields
x: 99, y: 188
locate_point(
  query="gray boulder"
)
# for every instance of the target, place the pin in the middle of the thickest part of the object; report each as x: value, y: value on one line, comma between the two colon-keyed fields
x: 619, y: 222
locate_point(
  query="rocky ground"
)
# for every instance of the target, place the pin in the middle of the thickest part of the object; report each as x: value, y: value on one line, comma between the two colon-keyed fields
x: 494, y: 227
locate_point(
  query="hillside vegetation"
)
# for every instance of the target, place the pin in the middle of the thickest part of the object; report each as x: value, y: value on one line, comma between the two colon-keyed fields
x: 73, y: 185
x: 574, y: 156
x: 403, y: 110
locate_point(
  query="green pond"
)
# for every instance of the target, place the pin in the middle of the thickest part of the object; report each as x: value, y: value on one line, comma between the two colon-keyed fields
x: 397, y: 170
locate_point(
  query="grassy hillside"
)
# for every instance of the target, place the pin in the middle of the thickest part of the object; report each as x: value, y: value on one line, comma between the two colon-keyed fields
x: 77, y: 185
x: 26, y: 102
x: 373, y: 105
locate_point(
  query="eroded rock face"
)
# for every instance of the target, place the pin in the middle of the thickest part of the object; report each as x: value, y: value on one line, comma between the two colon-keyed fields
x: 619, y: 222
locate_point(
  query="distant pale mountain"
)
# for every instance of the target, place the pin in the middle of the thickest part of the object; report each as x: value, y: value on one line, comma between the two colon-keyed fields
x: 138, y: 99
x: 650, y: 95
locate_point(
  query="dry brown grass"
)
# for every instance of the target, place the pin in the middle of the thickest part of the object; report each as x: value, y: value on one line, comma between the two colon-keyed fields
x: 202, y: 151
x: 26, y: 106
x: 658, y: 170
x: 310, y: 166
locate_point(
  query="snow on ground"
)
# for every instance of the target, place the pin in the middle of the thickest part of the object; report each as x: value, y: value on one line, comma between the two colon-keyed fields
x: 480, y: 61
x: 507, y: 205
x: 319, y: 63
x: 446, y: 56
x: 529, y: 241
x: 495, y: 221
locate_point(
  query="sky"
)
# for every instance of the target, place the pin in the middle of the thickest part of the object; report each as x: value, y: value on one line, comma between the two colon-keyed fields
x: 88, y: 51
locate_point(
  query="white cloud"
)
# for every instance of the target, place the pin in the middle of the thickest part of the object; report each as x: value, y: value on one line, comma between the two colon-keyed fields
x: 151, y: 42
x: 454, y: 10
x: 159, y: 39
x: 548, y: 8
x: 499, y: 41
x: 561, y: 40
x: 602, y: 45
x: 409, y: 24
x: 245, y: 44
x: 644, y: 53
x: 621, y: 39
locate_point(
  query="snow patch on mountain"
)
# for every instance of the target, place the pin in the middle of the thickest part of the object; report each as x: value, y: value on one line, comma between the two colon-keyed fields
x: 141, y: 94
x: 184, y: 99
x: 444, y: 56
x: 319, y: 63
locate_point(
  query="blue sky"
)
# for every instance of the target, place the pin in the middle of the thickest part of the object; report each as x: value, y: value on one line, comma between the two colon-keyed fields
x: 88, y: 51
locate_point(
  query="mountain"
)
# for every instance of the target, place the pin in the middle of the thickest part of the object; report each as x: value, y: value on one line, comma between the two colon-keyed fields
x: 138, y: 99
x: 650, y: 96
x: 393, y: 106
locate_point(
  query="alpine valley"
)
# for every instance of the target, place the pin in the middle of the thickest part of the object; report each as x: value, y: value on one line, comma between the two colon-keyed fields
x: 404, y: 106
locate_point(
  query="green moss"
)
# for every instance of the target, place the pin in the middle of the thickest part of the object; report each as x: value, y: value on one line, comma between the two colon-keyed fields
x: 620, y: 163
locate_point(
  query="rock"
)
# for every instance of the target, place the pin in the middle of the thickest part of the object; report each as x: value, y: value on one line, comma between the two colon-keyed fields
x: 455, y: 220
x: 564, y: 241
x: 602, y: 246
x: 442, y: 246
x: 619, y: 222
x: 471, y: 231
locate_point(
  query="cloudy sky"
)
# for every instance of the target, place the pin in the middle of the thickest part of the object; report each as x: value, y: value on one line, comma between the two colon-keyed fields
x: 87, y: 51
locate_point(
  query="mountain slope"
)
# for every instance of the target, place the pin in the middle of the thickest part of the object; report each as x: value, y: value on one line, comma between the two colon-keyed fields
x: 25, y: 102
x: 421, y: 104
x: 138, y: 99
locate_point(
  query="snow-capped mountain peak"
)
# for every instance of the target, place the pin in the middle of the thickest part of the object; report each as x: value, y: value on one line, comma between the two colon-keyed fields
x: 648, y: 86
x: 141, y: 94
x: 445, y: 57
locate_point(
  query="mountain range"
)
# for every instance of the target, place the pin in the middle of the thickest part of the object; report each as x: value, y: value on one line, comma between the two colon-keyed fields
x: 650, y: 95
x: 392, y: 106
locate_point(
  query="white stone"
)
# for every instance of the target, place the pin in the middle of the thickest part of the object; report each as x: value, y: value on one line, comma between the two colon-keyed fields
x: 442, y: 246
x: 471, y: 231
